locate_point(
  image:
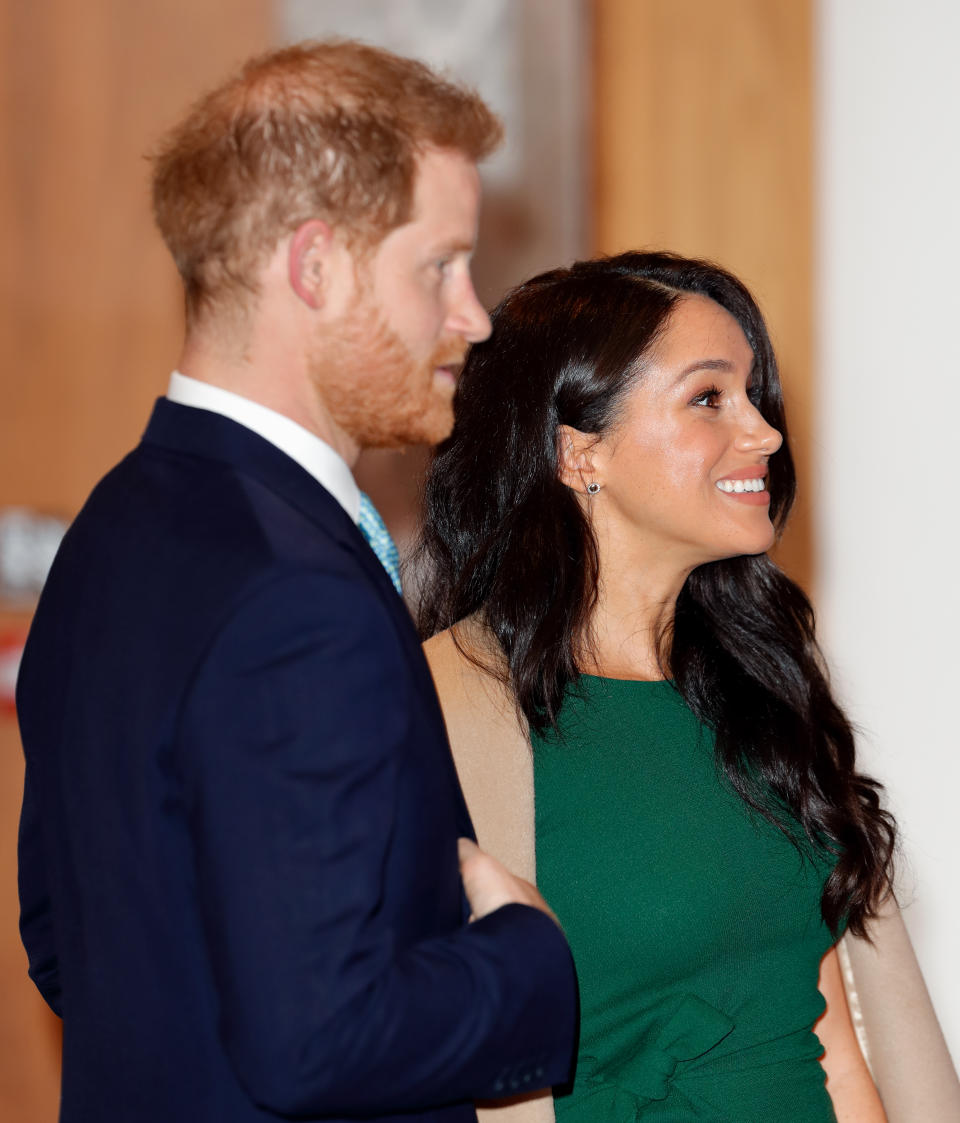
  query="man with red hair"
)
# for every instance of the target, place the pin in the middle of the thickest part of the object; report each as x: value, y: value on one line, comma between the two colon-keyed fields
x: 239, y: 841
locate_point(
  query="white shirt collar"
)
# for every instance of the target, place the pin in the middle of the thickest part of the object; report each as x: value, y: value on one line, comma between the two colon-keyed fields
x: 312, y: 454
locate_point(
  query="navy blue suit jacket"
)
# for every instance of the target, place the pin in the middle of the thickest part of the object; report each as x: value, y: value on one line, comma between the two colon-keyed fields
x: 238, y: 871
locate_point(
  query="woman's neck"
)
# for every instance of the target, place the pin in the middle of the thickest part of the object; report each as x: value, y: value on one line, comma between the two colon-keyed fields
x: 636, y: 602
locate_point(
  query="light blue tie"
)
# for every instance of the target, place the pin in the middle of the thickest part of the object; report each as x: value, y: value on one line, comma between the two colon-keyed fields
x: 374, y: 529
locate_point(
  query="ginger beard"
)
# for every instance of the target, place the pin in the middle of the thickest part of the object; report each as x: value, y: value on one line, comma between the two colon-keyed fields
x: 376, y: 390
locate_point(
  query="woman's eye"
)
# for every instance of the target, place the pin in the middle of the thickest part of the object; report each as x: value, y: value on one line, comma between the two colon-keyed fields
x: 709, y: 398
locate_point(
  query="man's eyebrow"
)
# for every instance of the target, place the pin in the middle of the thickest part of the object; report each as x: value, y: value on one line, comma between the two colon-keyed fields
x: 454, y: 244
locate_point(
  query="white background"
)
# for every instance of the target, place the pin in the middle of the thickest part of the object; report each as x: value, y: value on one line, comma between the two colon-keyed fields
x: 888, y: 435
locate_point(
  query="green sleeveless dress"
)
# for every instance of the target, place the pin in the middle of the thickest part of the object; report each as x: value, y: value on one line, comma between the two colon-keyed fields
x: 694, y: 923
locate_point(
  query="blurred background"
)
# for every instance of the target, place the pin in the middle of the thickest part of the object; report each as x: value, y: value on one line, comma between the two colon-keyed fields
x: 811, y: 146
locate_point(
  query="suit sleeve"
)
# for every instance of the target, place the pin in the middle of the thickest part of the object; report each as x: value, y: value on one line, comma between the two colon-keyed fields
x: 290, y: 742
x: 36, y: 921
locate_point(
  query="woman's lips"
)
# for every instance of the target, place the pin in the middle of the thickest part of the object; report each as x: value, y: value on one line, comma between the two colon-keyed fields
x: 746, y: 485
x: 751, y: 472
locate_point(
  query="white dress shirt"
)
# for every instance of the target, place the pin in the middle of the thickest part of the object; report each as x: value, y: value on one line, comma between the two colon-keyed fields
x: 312, y: 454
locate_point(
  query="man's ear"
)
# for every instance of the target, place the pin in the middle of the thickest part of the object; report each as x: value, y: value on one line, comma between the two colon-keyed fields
x: 310, y: 262
x: 575, y: 458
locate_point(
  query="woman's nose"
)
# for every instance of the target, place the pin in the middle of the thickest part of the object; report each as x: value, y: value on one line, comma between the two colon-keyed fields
x: 758, y: 433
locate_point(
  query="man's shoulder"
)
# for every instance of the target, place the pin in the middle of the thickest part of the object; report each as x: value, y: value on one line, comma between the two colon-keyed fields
x: 197, y: 536
x: 192, y: 503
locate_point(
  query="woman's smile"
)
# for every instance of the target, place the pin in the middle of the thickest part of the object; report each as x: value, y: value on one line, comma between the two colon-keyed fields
x: 747, y: 485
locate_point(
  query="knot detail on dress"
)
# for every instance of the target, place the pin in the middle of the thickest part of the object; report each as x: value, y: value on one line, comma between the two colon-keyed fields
x: 683, y: 1028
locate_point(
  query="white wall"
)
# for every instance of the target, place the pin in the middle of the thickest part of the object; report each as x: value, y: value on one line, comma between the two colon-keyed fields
x: 888, y: 434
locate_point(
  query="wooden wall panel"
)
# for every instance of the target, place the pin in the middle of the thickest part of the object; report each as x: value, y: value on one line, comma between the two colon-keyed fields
x: 90, y: 318
x: 89, y: 304
x: 29, y: 1033
x: 703, y: 133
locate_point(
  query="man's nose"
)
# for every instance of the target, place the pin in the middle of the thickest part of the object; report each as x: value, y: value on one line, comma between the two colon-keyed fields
x: 468, y: 317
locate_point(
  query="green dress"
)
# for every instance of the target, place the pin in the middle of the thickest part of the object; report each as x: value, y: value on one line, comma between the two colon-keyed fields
x: 694, y: 923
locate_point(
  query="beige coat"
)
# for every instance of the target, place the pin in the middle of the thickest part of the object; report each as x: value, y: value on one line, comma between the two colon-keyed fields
x: 892, y: 1012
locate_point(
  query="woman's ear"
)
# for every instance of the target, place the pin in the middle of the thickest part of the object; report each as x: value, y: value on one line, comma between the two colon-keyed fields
x: 575, y: 458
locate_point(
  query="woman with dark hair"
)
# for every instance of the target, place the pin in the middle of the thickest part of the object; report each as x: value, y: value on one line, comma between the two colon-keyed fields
x: 595, y: 537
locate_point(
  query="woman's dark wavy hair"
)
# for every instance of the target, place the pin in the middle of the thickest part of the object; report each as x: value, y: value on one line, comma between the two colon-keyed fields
x: 504, y: 538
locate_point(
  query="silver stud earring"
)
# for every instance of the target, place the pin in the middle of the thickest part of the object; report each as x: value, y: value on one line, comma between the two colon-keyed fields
x: 593, y: 487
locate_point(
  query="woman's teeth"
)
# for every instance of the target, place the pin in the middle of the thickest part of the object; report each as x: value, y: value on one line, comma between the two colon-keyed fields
x: 741, y: 485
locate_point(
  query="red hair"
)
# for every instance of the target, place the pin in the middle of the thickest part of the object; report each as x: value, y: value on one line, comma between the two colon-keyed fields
x: 325, y: 130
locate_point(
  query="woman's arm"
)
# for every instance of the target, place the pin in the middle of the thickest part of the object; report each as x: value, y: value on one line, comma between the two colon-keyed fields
x: 855, y: 1097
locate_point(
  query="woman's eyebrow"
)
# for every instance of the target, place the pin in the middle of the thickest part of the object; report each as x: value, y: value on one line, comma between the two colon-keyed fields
x: 705, y: 364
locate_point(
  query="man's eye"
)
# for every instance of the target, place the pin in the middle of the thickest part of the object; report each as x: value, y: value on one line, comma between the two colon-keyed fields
x: 710, y: 398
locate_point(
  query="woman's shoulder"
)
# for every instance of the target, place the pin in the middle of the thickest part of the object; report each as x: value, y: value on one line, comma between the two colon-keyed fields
x: 469, y: 637
x: 449, y: 649
x: 469, y: 669
x: 488, y: 739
